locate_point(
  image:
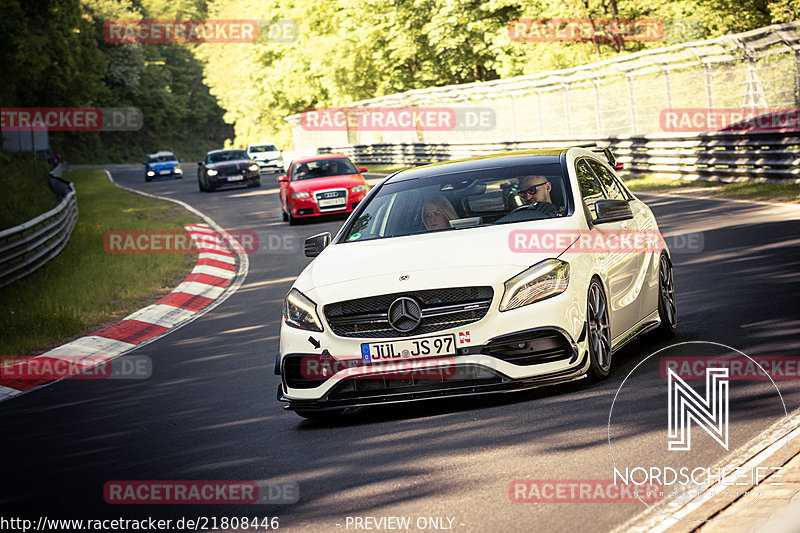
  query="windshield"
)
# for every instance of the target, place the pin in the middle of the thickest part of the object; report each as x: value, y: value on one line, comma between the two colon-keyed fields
x: 462, y: 200
x: 262, y: 148
x: 323, y: 169
x: 228, y: 155
x: 162, y: 159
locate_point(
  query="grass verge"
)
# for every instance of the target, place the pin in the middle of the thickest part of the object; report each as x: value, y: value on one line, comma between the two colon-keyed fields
x: 26, y: 194
x: 772, y: 192
x: 84, y: 287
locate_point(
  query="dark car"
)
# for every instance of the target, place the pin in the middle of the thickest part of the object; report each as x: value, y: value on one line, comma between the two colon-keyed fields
x: 162, y: 165
x: 227, y: 167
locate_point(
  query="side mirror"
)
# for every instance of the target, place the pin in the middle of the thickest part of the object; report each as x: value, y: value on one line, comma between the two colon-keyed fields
x: 618, y: 166
x: 612, y: 211
x: 199, y: 163
x: 611, y: 159
x: 362, y: 169
x: 316, y: 243
x: 282, y: 179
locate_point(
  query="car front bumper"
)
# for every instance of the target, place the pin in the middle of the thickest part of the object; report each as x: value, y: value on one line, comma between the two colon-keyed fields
x: 492, y: 359
x: 164, y: 173
x: 273, y: 164
x: 221, y: 180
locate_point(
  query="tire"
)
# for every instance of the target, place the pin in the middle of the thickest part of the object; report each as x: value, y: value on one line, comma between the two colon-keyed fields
x: 667, y: 310
x: 292, y: 220
x: 284, y: 215
x: 598, y: 333
x: 321, y: 415
x: 147, y: 178
x: 200, y: 185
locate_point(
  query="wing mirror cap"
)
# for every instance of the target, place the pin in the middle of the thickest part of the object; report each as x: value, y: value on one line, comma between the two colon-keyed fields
x: 612, y: 211
x: 316, y: 243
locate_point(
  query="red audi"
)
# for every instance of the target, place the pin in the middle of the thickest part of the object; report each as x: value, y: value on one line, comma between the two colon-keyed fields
x: 321, y: 185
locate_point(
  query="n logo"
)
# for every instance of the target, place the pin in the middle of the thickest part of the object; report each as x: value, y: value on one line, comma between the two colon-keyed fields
x: 685, y: 405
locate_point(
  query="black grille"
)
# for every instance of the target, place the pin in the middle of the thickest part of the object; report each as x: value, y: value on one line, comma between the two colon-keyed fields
x: 339, y: 194
x: 531, y: 347
x: 373, y: 386
x: 441, y: 309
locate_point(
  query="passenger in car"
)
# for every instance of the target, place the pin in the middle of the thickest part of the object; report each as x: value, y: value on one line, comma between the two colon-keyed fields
x: 437, y: 213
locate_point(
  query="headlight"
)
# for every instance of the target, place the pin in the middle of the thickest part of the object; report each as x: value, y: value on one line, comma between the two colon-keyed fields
x: 358, y: 188
x: 151, y: 173
x: 212, y: 172
x: 542, y: 280
x: 300, y: 312
x: 254, y: 166
x: 300, y: 195
x: 178, y: 171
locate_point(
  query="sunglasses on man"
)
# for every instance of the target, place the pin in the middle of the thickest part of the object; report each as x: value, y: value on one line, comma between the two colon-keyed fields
x: 530, y: 191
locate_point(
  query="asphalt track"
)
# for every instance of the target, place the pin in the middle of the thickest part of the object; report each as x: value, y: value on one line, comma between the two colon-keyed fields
x: 209, y: 410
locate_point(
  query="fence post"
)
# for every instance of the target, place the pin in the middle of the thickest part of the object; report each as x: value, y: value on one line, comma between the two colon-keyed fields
x: 539, y: 110
x: 634, y: 126
x: 708, y: 81
x: 598, y: 119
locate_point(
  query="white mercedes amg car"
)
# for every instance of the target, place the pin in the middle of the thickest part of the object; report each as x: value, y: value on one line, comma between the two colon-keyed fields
x: 489, y: 274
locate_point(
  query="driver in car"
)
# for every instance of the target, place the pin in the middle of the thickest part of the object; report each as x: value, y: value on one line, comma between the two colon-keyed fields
x: 535, y: 192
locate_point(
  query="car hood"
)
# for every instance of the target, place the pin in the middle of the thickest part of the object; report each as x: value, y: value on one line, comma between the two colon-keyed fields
x: 331, y: 182
x: 475, y: 256
x: 163, y: 165
x: 223, y: 166
x: 265, y: 156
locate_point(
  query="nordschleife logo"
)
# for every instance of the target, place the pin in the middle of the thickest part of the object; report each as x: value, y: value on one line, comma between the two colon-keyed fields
x: 709, y: 412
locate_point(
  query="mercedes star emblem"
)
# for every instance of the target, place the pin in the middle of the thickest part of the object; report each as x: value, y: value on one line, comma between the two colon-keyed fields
x: 405, y: 314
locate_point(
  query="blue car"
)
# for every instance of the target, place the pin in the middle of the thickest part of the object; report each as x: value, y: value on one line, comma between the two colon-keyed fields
x: 162, y: 165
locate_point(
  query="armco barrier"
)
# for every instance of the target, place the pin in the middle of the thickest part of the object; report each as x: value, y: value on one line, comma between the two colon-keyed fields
x: 26, y: 247
x: 728, y: 156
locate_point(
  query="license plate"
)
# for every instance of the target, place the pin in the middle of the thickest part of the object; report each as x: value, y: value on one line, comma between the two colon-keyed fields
x: 411, y: 349
x: 332, y: 201
x: 235, y: 178
x: 165, y: 172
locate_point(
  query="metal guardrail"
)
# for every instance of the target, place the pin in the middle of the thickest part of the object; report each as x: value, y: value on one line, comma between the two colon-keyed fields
x: 27, y: 247
x: 727, y: 157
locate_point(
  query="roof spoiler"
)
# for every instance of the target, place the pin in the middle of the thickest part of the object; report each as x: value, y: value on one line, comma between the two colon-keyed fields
x: 606, y: 152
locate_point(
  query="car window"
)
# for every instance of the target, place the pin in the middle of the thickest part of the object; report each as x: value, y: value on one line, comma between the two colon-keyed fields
x: 262, y: 148
x: 230, y: 155
x: 162, y: 159
x: 454, y: 201
x: 323, y: 168
x: 591, y: 190
x: 608, y: 181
